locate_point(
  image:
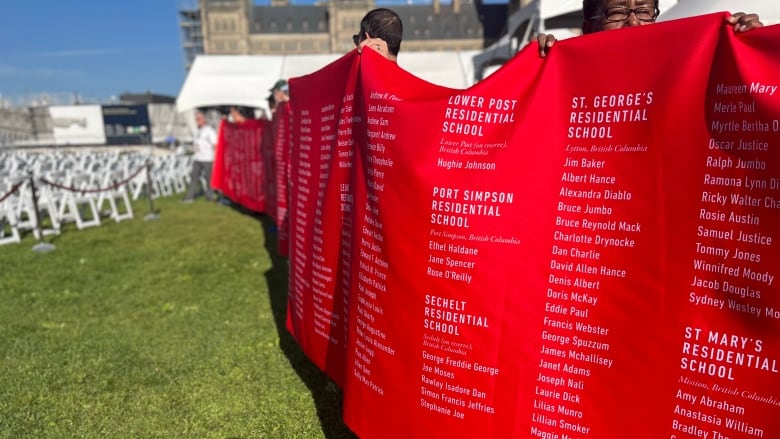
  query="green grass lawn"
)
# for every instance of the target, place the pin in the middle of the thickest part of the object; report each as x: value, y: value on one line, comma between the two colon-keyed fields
x: 156, y: 329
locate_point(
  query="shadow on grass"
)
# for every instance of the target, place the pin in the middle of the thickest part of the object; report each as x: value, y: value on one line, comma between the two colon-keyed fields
x: 327, y: 396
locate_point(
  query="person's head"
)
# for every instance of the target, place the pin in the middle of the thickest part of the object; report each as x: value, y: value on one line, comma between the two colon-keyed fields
x: 239, y: 114
x: 200, y: 118
x: 384, y: 24
x: 271, y: 102
x: 280, y: 91
x: 614, y: 14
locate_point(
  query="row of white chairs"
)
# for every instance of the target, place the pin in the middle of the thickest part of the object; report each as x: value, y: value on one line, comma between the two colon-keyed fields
x: 42, y: 191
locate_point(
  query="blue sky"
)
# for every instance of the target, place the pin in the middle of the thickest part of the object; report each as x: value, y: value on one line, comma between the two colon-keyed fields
x: 93, y: 48
x: 96, y: 48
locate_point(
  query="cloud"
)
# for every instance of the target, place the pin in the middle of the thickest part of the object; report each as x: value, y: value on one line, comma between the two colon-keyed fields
x: 7, y: 70
x: 72, y: 53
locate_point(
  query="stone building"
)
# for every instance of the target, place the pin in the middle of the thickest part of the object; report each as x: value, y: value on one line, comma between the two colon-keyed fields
x: 240, y: 27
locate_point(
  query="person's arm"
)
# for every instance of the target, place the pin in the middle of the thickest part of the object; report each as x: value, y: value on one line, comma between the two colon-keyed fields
x: 212, y: 138
x: 743, y: 22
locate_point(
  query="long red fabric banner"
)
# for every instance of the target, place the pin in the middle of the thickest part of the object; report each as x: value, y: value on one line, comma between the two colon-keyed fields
x: 581, y: 246
x: 238, y: 163
x: 323, y: 146
x: 275, y: 152
x: 281, y: 174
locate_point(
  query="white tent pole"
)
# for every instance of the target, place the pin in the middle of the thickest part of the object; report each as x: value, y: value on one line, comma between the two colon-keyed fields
x: 541, y: 28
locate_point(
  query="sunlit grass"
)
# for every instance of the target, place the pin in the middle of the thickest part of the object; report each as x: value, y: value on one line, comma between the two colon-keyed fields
x: 169, y: 328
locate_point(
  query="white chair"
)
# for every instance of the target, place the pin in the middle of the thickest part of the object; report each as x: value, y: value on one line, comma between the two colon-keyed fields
x: 26, y: 215
x: 9, y: 230
x: 73, y: 202
x: 138, y: 183
x: 49, y: 201
x: 115, y: 192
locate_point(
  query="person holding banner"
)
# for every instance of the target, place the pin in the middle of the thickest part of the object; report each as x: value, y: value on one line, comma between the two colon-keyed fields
x: 381, y: 29
x: 615, y: 14
x: 240, y: 114
x: 203, y: 145
x: 280, y: 92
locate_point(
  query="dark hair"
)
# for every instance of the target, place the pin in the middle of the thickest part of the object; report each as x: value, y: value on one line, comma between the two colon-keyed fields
x: 592, y: 8
x: 247, y: 112
x: 385, y: 24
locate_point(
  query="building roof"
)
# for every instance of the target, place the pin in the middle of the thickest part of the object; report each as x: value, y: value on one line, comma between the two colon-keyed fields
x: 475, y: 20
x: 146, y: 98
x: 289, y: 19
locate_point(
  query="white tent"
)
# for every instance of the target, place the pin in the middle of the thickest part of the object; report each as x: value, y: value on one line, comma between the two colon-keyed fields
x: 447, y: 68
x: 229, y: 80
x: 768, y: 10
x: 246, y: 79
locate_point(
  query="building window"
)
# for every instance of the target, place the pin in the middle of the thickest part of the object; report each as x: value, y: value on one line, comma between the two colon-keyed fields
x: 305, y: 25
x: 272, y: 26
x: 288, y: 26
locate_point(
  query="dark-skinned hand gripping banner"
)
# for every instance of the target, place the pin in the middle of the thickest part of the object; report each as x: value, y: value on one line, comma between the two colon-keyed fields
x: 238, y: 163
x: 581, y: 246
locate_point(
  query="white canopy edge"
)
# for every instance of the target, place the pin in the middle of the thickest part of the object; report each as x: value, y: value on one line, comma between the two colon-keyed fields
x: 246, y: 80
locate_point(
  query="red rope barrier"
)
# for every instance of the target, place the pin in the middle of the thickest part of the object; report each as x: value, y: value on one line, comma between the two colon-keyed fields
x: 13, y: 189
x: 112, y: 187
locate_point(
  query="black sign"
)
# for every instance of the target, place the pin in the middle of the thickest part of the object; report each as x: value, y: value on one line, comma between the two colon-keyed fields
x: 127, y: 124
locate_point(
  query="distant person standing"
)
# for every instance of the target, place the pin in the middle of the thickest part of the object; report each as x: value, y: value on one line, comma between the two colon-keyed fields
x: 203, y: 145
x: 381, y: 29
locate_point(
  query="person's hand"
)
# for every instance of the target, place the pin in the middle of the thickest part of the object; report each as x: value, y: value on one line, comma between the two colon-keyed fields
x: 546, y: 42
x: 377, y: 44
x: 744, y: 22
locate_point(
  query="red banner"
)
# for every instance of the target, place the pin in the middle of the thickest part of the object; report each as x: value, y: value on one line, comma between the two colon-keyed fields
x: 281, y: 172
x: 578, y: 246
x: 238, y: 163
x: 268, y: 154
x: 320, y: 214
x: 276, y: 161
